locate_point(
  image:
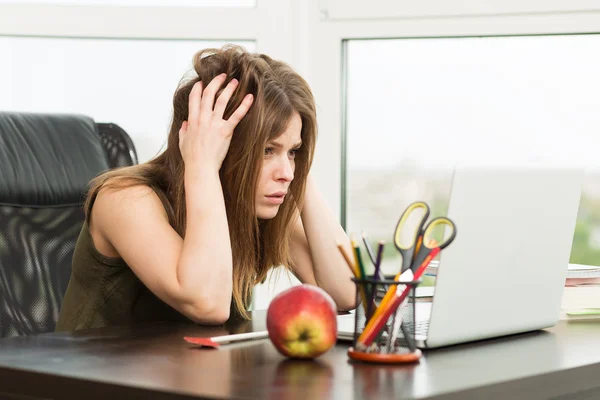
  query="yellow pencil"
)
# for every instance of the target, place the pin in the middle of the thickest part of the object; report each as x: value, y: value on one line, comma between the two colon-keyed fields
x: 351, y: 265
x: 361, y: 272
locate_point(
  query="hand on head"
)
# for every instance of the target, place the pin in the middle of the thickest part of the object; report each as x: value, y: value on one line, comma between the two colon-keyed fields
x: 205, y: 137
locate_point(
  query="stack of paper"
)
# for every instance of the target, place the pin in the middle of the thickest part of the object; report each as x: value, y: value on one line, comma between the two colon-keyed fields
x: 583, y: 275
x: 581, y: 302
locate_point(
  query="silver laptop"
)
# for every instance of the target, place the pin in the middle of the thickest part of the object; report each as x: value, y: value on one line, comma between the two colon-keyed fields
x: 505, y: 271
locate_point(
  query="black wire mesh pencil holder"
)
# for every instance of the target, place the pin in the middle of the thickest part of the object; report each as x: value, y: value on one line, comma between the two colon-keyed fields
x: 384, y: 328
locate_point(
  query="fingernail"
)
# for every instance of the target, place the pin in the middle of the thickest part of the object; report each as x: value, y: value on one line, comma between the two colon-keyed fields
x: 234, y: 81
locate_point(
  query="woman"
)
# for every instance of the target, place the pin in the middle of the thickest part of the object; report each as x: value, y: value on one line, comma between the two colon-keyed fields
x: 188, y: 234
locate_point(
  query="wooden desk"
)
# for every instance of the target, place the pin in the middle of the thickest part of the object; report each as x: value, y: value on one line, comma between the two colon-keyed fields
x: 153, y: 362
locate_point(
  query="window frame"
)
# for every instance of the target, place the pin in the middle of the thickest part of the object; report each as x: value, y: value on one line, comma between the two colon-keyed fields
x: 333, y: 31
x: 385, y: 9
x: 266, y: 23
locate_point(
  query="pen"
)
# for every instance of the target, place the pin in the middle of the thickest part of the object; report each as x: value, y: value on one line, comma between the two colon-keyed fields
x: 377, y: 277
x: 378, y: 260
x: 368, y: 247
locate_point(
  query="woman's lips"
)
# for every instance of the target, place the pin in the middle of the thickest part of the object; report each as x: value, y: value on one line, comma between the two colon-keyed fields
x: 275, y: 199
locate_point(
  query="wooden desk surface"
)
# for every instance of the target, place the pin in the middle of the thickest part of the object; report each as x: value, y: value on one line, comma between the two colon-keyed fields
x: 154, y: 362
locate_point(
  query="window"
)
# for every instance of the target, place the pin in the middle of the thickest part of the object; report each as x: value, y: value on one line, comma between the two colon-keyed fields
x: 127, y: 82
x: 413, y: 104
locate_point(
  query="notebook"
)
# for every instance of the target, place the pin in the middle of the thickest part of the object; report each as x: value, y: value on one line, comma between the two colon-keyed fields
x: 583, y: 271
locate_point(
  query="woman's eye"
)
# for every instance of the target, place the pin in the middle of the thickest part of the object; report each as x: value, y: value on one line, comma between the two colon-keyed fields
x: 293, y: 153
x: 268, y: 151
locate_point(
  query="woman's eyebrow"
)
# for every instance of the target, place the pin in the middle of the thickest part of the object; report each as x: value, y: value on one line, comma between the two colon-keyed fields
x: 279, y: 145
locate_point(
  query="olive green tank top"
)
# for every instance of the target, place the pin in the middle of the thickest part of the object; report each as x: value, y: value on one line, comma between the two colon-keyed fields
x: 104, y: 291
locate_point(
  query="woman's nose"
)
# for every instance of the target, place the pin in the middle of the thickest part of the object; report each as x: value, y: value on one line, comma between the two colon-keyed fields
x: 285, y: 170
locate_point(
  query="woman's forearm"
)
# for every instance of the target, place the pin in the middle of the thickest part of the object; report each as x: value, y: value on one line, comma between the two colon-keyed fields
x: 323, y: 232
x: 204, y: 270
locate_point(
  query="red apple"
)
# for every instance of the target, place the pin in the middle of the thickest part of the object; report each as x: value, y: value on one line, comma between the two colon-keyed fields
x: 302, y: 322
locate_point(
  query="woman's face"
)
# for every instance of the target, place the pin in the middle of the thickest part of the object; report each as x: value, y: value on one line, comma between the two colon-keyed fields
x: 278, y: 169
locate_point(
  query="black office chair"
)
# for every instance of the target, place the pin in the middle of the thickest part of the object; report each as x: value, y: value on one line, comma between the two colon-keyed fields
x: 46, y: 163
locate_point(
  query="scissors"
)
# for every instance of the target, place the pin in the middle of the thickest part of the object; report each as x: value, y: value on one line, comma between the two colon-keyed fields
x: 416, y: 244
x: 405, y: 240
x: 437, y: 235
x: 423, y: 244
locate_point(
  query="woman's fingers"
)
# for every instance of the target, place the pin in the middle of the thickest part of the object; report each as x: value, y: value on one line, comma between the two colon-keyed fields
x: 183, y: 128
x: 224, y: 97
x: 208, y: 96
x: 194, y: 103
x: 241, y: 111
x: 182, y: 132
x: 205, y: 132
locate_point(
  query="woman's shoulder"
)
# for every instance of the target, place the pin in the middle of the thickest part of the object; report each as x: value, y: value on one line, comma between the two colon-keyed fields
x: 113, y: 200
x: 123, y: 190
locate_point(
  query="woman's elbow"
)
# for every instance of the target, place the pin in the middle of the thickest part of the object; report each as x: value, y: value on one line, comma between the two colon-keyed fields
x: 347, y: 303
x: 208, y: 315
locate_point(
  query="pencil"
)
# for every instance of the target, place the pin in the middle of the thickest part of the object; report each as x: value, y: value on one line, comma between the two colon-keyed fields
x: 351, y: 265
x: 368, y: 287
x: 383, y: 305
x: 361, y: 270
x: 361, y: 267
x: 418, y: 245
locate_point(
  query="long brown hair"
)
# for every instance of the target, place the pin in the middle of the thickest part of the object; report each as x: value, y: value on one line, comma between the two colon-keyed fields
x: 279, y: 92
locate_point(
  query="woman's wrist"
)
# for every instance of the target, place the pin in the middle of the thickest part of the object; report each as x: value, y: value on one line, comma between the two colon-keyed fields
x: 309, y: 194
x: 198, y: 174
x: 203, y: 190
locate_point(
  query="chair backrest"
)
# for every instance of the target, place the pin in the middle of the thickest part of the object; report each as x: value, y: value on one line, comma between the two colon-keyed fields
x: 117, y: 144
x: 46, y: 163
